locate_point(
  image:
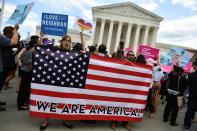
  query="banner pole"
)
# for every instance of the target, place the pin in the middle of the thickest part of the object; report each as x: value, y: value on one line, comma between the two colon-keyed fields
x: 81, y: 36
x: 1, y: 13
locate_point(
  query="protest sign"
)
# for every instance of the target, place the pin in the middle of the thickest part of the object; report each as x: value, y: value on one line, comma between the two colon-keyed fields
x: 54, y: 24
x: 126, y: 50
x: 165, y: 60
x: 188, y: 67
x: 166, y: 68
x: 20, y: 13
x: 84, y: 25
x: 179, y: 56
x: 176, y: 56
x: 148, y: 52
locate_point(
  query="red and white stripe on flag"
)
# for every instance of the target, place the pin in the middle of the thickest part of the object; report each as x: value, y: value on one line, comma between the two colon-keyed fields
x: 114, y: 90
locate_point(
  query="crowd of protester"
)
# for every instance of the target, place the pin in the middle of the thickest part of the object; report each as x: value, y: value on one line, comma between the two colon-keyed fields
x: 171, y: 86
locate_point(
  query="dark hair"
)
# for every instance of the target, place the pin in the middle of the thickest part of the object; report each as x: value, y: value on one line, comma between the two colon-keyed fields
x: 119, y: 54
x: 194, y: 63
x: 113, y: 55
x: 195, y: 59
x: 34, y: 37
x: 131, y: 52
x: 102, y: 48
x: 132, y: 59
x: 140, y: 59
x: 78, y: 47
x: 92, y: 49
x: 31, y: 44
x: 8, y: 31
x: 178, y: 69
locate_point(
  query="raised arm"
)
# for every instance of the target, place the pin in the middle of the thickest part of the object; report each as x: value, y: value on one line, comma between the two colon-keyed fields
x: 41, y: 38
x: 82, y: 40
x: 14, y: 39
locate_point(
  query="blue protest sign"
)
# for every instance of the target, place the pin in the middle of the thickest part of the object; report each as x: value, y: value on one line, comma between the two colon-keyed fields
x: 20, y: 14
x: 176, y: 56
x: 54, y: 24
x: 165, y: 60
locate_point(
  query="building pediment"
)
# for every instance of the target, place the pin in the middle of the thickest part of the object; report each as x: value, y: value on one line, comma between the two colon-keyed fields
x: 129, y: 9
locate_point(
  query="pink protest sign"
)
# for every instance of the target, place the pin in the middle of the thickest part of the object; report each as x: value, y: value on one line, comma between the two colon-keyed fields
x: 148, y: 52
x: 126, y: 50
x: 188, y: 67
x: 166, y: 68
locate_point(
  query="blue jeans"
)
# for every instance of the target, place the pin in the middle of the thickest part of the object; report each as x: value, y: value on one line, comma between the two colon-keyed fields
x: 191, y: 106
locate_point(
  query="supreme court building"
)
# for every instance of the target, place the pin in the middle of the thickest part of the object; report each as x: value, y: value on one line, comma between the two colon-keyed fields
x: 124, y: 24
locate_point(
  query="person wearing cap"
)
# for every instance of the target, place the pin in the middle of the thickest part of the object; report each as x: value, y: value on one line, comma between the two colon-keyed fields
x: 157, y: 75
x: 151, y: 62
x: 155, y: 85
x: 192, y: 103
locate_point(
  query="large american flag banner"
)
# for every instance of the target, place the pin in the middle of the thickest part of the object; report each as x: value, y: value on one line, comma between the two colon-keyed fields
x: 79, y: 86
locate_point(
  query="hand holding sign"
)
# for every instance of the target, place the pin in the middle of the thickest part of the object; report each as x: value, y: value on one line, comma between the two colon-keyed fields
x: 16, y: 26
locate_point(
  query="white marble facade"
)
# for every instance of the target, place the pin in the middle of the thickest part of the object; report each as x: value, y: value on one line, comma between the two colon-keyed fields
x: 124, y: 23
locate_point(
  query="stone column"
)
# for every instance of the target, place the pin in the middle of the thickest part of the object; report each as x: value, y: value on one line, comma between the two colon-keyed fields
x: 94, y: 32
x: 127, y: 40
x: 101, y: 31
x: 154, y: 36
x: 118, y: 36
x: 145, y: 39
x: 109, y: 37
x: 136, y: 40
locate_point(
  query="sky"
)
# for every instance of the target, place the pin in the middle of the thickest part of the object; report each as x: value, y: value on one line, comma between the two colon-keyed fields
x: 178, y: 27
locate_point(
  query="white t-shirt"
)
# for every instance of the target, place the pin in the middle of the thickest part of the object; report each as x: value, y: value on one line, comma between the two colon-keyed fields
x: 157, y: 75
x: 101, y: 54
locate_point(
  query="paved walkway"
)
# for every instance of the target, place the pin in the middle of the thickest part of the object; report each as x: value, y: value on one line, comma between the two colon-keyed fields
x: 14, y: 120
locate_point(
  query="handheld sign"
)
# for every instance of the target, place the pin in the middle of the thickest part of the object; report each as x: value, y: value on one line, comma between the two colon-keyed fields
x: 84, y: 25
x: 20, y: 14
x: 54, y: 24
x: 126, y: 50
x: 179, y: 56
x: 148, y: 52
x: 176, y: 56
